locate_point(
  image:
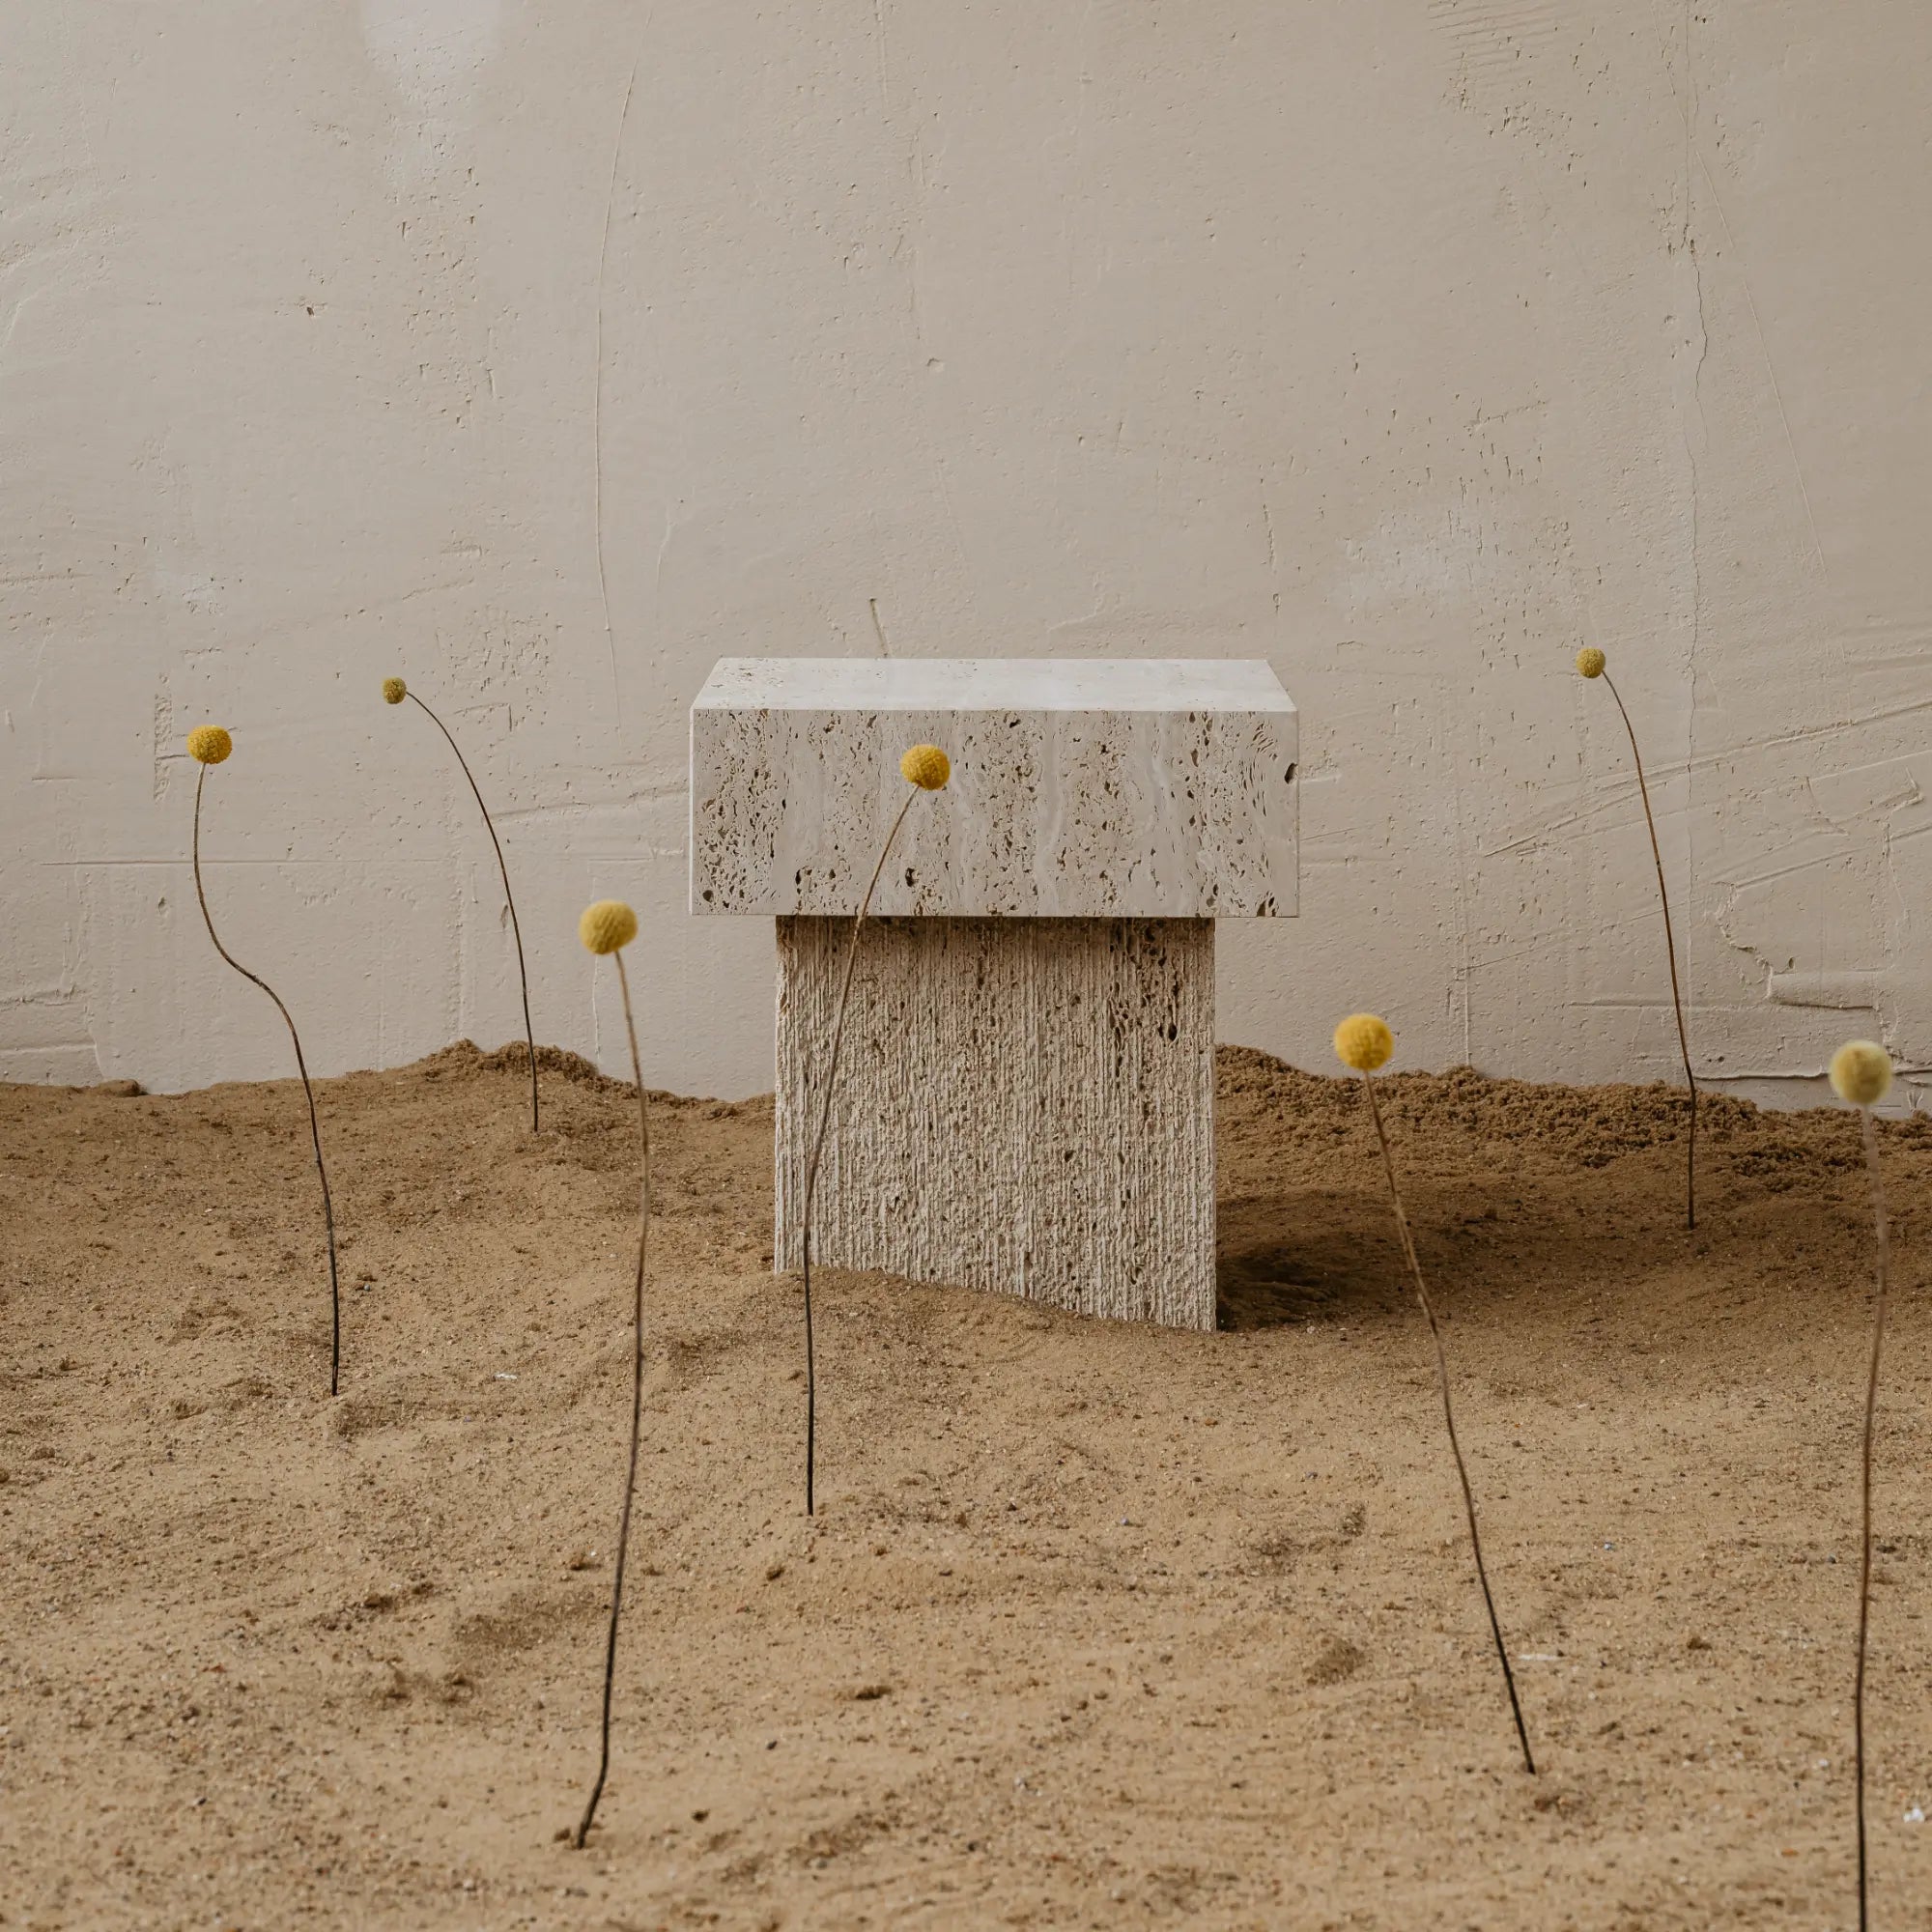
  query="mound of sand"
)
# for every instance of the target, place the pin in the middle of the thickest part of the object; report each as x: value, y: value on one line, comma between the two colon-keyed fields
x: 1099, y: 1626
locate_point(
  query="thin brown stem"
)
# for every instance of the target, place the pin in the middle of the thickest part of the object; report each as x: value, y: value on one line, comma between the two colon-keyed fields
x: 1449, y: 1421
x: 509, y: 898
x: 301, y: 1067
x: 1670, y: 948
x: 1880, y: 1219
x: 818, y: 1147
x: 636, y: 1407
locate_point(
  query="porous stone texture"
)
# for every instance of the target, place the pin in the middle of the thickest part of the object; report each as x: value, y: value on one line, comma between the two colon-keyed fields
x: 1148, y: 787
x: 1022, y: 1106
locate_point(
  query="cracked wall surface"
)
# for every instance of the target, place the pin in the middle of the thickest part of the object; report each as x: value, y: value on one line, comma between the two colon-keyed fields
x: 547, y: 356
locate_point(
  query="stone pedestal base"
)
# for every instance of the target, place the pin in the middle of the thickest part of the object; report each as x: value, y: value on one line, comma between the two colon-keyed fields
x: 1023, y: 1105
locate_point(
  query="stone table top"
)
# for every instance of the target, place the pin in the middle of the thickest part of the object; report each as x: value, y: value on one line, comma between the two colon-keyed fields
x: 1081, y: 787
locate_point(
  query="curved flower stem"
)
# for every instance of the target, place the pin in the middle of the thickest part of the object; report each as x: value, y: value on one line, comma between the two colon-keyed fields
x: 516, y: 932
x: 818, y: 1147
x: 301, y: 1067
x: 1449, y: 1419
x: 1865, y: 1491
x: 636, y: 1407
x: 1670, y: 947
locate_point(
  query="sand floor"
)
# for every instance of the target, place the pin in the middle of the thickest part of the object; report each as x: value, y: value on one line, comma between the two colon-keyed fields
x: 1099, y: 1627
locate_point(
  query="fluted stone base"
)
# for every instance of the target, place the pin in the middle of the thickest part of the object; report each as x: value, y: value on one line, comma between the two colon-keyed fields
x: 1023, y: 1105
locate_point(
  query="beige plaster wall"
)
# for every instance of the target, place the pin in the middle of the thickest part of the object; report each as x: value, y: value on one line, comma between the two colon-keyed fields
x: 547, y: 353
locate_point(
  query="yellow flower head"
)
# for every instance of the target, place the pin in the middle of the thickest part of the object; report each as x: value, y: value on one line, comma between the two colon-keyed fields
x: 1363, y: 1041
x: 925, y: 766
x: 1860, y: 1072
x: 210, y: 744
x: 1590, y: 661
x: 607, y: 926
x: 394, y: 691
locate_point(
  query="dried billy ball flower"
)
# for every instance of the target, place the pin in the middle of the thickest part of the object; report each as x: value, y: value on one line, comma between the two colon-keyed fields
x: 394, y: 691
x: 1860, y: 1072
x: 1590, y: 661
x: 209, y: 744
x: 925, y: 766
x: 1363, y: 1041
x: 607, y: 926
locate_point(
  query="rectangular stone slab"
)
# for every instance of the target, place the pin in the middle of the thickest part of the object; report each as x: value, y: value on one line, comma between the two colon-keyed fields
x: 1022, y: 1106
x: 1144, y: 787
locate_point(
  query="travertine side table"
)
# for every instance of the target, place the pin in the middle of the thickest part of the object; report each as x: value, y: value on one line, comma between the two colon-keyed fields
x: 1025, y: 1097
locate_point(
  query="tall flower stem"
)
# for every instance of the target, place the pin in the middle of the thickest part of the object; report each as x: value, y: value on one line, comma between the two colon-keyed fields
x: 509, y: 898
x: 301, y: 1067
x: 1449, y: 1421
x: 636, y: 1407
x: 1670, y: 948
x: 1882, y: 1222
x: 817, y: 1147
